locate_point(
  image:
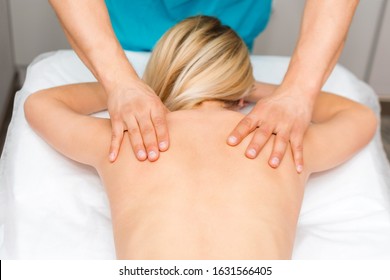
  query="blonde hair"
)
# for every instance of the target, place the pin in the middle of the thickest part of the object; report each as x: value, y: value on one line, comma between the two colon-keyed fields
x: 199, y: 59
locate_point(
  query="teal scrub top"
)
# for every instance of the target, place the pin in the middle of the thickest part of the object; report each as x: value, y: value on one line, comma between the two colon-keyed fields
x: 138, y: 24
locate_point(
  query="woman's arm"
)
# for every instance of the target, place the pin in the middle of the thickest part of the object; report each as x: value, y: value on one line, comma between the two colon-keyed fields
x: 60, y: 116
x: 88, y: 28
x: 341, y: 127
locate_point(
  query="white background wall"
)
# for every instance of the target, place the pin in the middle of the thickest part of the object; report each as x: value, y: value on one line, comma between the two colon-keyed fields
x: 379, y: 76
x: 7, y: 69
x: 36, y: 30
x: 282, y: 32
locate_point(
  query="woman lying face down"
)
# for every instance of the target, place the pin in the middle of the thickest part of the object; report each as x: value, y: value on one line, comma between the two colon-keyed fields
x: 201, y: 199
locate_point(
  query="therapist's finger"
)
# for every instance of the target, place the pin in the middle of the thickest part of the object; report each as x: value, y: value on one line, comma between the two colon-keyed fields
x: 116, y: 139
x: 244, y: 127
x: 135, y: 138
x: 161, y: 128
x: 149, y: 137
x: 279, y: 148
x: 260, y: 138
x: 297, y: 149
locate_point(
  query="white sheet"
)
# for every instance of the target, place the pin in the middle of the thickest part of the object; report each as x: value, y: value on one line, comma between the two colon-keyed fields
x: 54, y: 208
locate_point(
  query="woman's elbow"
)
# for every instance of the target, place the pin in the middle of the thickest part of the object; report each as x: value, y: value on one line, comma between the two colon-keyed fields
x: 370, y: 122
x: 31, y: 107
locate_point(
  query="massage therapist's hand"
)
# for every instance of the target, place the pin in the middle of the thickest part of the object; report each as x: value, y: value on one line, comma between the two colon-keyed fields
x: 136, y: 108
x: 286, y: 113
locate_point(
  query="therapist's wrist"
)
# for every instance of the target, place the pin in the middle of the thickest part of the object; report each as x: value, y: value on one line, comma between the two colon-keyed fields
x: 307, y: 93
x: 111, y: 67
x: 302, y: 84
x: 119, y: 77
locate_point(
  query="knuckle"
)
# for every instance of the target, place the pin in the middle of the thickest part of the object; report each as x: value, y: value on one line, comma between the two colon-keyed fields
x: 133, y: 131
x: 298, y: 148
x: 280, y: 147
x: 115, y: 137
x: 298, y: 131
x: 159, y: 121
x: 142, y: 114
x: 247, y: 122
x: 126, y: 109
x: 265, y: 130
x: 116, y: 118
x: 282, y: 137
x: 148, y: 130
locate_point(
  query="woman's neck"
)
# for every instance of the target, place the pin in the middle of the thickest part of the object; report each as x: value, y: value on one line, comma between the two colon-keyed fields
x: 211, y: 105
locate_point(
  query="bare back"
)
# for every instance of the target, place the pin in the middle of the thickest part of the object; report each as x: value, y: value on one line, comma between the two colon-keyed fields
x: 203, y: 199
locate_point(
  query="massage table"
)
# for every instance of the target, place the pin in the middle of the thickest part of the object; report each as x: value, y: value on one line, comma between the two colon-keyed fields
x: 54, y: 208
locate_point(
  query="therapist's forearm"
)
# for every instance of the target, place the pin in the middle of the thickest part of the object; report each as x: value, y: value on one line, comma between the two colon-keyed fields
x: 89, y: 31
x: 323, y: 31
x: 263, y: 89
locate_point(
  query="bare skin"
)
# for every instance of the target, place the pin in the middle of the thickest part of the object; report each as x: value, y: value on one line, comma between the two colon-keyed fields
x: 131, y: 102
x: 200, y: 200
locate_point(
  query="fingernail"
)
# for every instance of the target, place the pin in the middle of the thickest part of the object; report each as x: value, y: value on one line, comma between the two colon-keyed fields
x: 275, y: 161
x: 299, y: 168
x: 163, y: 146
x: 251, y: 152
x: 232, y: 140
x: 112, y: 156
x: 152, y: 155
x: 141, y: 154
